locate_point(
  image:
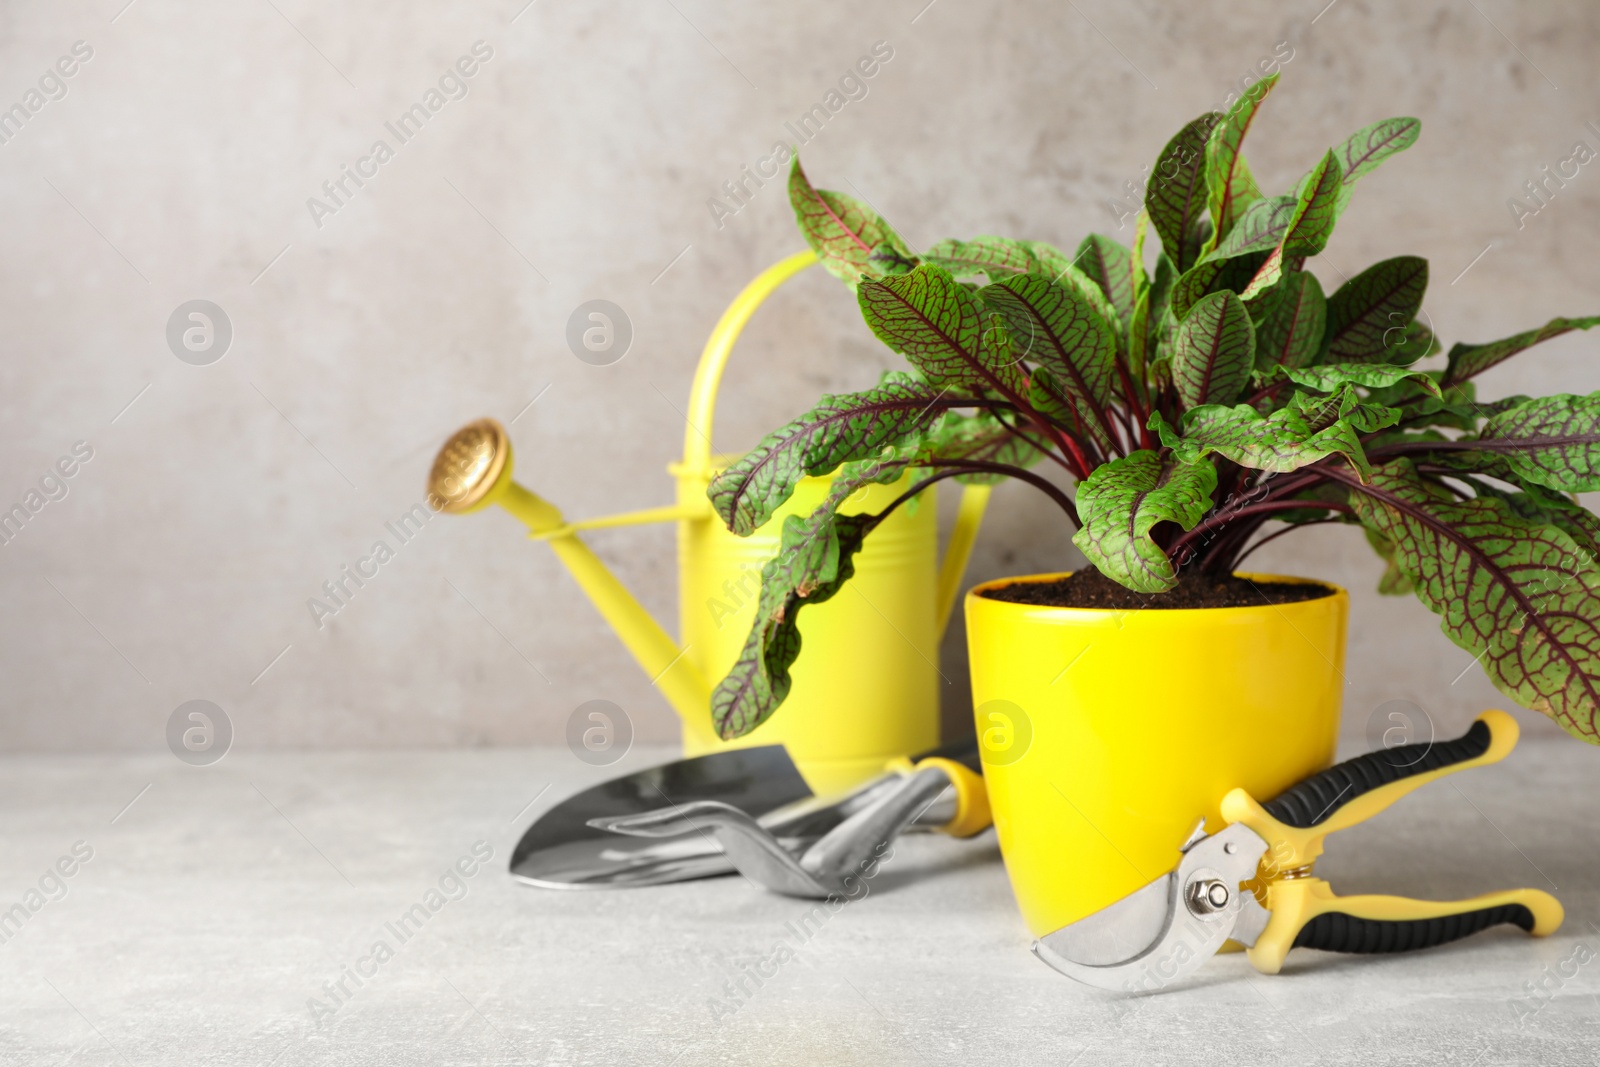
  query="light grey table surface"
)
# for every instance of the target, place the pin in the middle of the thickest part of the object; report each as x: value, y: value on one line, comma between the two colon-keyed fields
x: 220, y: 902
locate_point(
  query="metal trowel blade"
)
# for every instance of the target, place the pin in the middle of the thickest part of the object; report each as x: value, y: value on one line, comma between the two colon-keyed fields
x: 560, y: 850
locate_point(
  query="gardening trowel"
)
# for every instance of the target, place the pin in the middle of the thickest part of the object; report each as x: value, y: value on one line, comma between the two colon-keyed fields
x: 854, y: 833
x: 564, y: 849
x: 1251, y: 881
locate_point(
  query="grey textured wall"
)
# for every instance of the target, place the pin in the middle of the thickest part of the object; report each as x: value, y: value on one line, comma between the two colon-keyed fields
x: 578, y: 165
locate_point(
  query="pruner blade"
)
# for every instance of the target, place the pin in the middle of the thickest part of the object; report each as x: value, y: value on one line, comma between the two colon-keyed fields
x: 1158, y: 935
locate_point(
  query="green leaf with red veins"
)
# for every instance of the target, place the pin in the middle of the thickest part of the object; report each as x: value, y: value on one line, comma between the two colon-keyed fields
x: 1055, y: 400
x: 1316, y: 209
x: 1458, y: 409
x: 1469, y: 360
x: 1123, y: 499
x: 1394, y: 581
x: 1058, y: 267
x: 996, y: 257
x: 1539, y: 505
x: 1285, y: 440
x: 889, y: 259
x: 1344, y: 403
x: 1111, y: 266
x: 1260, y: 229
x: 943, y: 329
x: 841, y: 428
x: 1523, y: 598
x: 1175, y: 196
x: 844, y: 232
x: 1367, y: 375
x: 1364, y: 312
x: 816, y: 559
x: 1366, y: 148
x: 1310, y: 225
x: 1292, y: 320
x: 1553, y: 441
x: 1055, y: 327
x: 1213, y: 351
x: 1415, y: 343
x: 1229, y: 185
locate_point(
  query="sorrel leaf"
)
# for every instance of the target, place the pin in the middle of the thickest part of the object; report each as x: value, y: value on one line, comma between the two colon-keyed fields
x: 1120, y: 503
x: 1285, y: 440
x: 840, y: 428
x: 1176, y: 195
x: 1522, y: 597
x: 1055, y: 327
x: 1467, y: 361
x: 1364, y: 310
x: 1371, y: 375
x: 1230, y: 187
x: 816, y: 558
x: 843, y: 232
x: 942, y: 328
x: 1259, y: 229
x: 1316, y: 209
x: 1368, y: 147
x: 1289, y: 333
x: 1111, y: 267
x: 1213, y: 351
x: 996, y: 257
x: 1553, y: 441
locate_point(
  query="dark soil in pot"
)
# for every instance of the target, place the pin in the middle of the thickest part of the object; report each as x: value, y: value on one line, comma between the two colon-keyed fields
x: 1088, y: 588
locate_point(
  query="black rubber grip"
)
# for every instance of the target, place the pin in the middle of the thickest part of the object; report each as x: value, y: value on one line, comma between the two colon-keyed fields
x: 1314, y: 800
x: 1336, y: 932
x: 964, y: 752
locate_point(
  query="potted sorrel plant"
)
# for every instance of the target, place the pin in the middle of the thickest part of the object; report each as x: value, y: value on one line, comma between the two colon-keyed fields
x: 1201, y: 408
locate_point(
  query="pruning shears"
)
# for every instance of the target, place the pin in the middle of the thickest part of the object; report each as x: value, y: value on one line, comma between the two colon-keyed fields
x: 1252, y: 880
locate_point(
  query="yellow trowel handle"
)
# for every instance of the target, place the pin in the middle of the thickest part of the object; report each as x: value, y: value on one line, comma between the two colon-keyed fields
x: 1306, y: 913
x: 959, y: 761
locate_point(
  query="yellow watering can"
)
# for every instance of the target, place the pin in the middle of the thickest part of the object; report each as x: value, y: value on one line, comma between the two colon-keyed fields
x: 866, y: 690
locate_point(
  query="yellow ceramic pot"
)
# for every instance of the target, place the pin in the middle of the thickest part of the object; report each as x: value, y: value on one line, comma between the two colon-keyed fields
x: 1106, y: 735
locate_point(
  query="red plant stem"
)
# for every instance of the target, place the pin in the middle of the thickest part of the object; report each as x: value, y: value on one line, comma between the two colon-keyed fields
x: 1230, y: 546
x: 1135, y: 401
x: 1077, y: 435
x: 1041, y: 446
x: 1273, y: 536
x: 1260, y: 507
x: 965, y: 466
x: 1082, y: 466
x: 1068, y: 443
x: 1294, y: 481
x: 1267, y: 391
x: 1230, y: 540
x: 1126, y: 424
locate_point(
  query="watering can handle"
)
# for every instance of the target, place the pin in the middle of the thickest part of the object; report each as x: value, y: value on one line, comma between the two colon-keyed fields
x: 719, y: 346
x: 703, y: 406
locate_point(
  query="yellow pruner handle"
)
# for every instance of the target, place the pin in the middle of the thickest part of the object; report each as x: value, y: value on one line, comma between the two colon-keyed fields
x: 1306, y: 913
x: 1295, y: 823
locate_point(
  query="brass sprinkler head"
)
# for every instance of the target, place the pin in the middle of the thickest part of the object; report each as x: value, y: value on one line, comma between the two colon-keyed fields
x: 472, y: 465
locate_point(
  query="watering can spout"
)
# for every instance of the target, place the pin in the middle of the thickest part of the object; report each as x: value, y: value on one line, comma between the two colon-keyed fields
x: 473, y: 471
